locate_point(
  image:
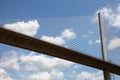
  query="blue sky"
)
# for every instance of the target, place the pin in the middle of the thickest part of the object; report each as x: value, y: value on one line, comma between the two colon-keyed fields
x: 16, y: 9
x: 67, y: 23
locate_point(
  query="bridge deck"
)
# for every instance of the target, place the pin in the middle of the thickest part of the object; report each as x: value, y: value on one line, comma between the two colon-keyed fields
x: 30, y: 43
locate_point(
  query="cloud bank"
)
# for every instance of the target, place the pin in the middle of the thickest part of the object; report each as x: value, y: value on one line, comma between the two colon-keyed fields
x: 41, y: 67
x: 38, y: 66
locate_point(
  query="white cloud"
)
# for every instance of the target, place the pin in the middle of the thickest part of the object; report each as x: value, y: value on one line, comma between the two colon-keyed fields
x: 68, y: 33
x: 97, y: 41
x: 54, y: 40
x: 60, y: 40
x: 90, y: 42
x: 90, y: 76
x: 46, y: 63
x: 9, y: 61
x: 114, y: 43
x: 29, y: 28
x: 111, y: 15
x: 4, y: 75
x: 106, y: 13
x: 88, y: 34
x: 116, y: 21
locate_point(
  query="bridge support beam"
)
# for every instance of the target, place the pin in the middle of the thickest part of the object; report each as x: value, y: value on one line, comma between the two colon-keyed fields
x: 26, y: 42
